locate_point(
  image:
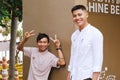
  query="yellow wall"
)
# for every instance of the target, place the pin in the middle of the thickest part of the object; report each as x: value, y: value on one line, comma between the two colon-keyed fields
x: 54, y: 17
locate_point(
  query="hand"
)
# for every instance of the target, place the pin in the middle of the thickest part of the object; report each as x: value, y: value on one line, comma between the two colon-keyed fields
x: 68, y: 76
x: 29, y: 34
x: 56, y: 41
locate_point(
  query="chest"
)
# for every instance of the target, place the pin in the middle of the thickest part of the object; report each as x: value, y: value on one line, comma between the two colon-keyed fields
x: 82, y: 40
x: 41, y: 61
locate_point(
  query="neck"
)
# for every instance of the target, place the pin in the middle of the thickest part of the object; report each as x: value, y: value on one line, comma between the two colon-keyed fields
x: 42, y: 51
x: 83, y: 26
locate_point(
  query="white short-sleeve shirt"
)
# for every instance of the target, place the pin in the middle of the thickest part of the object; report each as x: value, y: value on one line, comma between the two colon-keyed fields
x: 40, y: 63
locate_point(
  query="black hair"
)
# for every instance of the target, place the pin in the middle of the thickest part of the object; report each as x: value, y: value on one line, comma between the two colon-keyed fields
x: 76, y: 7
x: 42, y: 35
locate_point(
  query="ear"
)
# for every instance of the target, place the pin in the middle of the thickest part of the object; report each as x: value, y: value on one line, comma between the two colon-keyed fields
x: 48, y: 43
x: 87, y: 14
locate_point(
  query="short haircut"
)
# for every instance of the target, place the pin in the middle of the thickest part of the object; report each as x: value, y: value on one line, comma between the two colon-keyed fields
x: 76, y: 7
x: 42, y: 35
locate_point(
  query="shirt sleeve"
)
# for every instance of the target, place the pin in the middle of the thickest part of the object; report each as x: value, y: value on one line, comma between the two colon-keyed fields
x: 27, y: 51
x: 97, y: 52
x: 54, y: 61
x: 71, y: 61
x: 71, y: 56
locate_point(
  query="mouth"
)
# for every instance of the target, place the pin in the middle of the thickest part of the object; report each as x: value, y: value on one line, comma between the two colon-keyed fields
x: 78, y: 21
x: 42, y: 47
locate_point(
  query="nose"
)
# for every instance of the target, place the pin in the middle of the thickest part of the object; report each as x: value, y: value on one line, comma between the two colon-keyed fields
x: 42, y: 43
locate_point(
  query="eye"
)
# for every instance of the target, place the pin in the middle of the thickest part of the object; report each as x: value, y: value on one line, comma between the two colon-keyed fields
x: 45, y: 42
x: 79, y: 14
x: 74, y: 15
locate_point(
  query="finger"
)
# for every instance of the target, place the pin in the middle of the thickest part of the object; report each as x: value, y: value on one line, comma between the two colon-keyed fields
x: 55, y: 37
x: 32, y: 31
x: 51, y: 39
x: 32, y: 34
x: 26, y: 33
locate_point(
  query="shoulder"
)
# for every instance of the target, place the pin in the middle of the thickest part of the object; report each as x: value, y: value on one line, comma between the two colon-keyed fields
x: 53, y: 56
x: 95, y: 31
x: 31, y: 48
x: 50, y: 54
x: 75, y: 33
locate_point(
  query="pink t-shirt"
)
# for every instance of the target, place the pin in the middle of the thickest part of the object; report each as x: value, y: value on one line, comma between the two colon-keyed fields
x: 40, y: 63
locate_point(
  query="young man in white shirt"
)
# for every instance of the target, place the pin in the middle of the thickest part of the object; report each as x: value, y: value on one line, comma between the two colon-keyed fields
x: 41, y: 60
x: 86, y: 48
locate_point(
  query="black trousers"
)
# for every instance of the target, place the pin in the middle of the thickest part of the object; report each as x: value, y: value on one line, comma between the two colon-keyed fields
x: 88, y: 79
x: 84, y: 79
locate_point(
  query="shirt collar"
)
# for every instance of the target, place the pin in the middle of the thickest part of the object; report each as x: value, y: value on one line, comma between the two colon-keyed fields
x: 42, y: 53
x: 85, y: 28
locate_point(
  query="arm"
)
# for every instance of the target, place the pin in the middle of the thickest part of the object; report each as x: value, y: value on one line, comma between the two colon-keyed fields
x: 61, y: 60
x: 98, y: 55
x: 68, y: 76
x: 27, y: 35
x: 95, y: 75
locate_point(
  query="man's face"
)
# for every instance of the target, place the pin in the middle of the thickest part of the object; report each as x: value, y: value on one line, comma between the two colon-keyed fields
x: 80, y: 17
x: 43, y: 44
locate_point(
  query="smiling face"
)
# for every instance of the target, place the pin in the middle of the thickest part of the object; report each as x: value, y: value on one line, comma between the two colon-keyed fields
x: 80, y: 18
x: 43, y: 44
